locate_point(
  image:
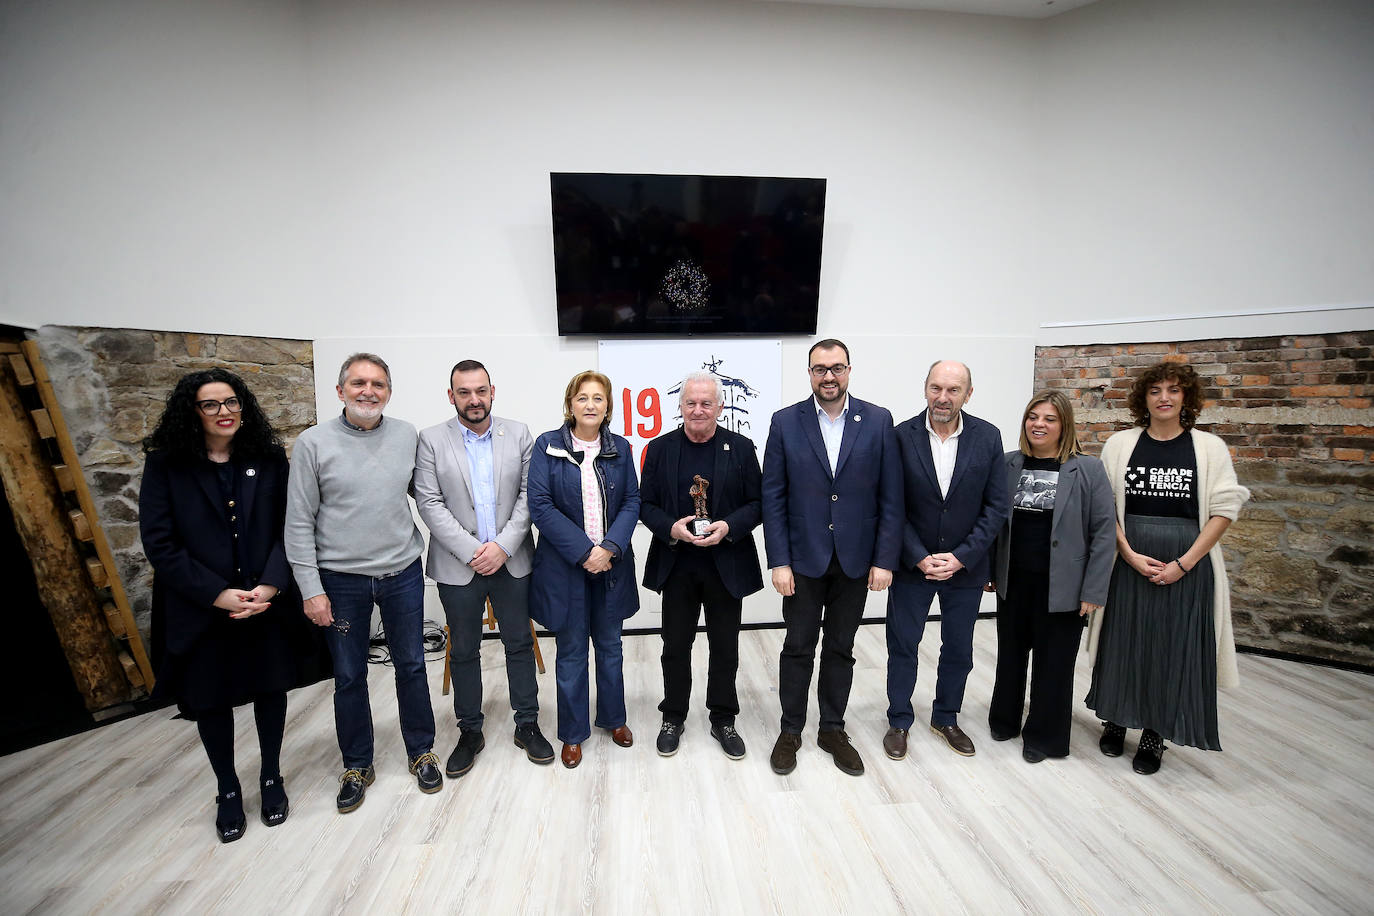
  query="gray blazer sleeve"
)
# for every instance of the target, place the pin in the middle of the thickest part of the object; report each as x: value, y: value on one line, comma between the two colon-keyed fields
x: 1101, y: 534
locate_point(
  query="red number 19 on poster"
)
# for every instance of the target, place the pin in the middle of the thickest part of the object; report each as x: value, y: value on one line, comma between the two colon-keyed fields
x: 648, y: 406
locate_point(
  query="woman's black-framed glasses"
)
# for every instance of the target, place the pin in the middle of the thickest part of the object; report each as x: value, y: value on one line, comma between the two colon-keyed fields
x: 211, y: 408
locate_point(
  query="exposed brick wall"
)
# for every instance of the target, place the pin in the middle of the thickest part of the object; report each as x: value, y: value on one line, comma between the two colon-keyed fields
x: 112, y: 385
x: 1297, y: 414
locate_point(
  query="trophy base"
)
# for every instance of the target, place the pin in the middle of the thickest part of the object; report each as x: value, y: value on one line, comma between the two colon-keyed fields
x: 698, y: 527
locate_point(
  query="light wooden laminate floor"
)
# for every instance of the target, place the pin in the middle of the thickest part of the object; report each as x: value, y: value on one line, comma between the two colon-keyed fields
x: 119, y: 820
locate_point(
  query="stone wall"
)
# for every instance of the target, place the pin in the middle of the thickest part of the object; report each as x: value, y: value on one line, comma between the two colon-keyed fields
x: 1296, y: 413
x: 112, y: 385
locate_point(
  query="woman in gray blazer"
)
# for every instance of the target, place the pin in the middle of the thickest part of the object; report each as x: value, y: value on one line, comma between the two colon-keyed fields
x: 1053, y: 564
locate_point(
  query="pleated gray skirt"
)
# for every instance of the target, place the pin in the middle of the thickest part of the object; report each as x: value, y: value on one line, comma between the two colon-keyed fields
x: 1157, y: 656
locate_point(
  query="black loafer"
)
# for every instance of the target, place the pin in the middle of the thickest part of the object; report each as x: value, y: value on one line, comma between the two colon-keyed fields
x: 275, y: 804
x: 1031, y: 755
x: 1113, y: 742
x: 999, y: 735
x: 229, y: 820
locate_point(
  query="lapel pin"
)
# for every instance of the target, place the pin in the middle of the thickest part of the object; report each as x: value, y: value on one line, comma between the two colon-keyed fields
x: 727, y: 447
x: 500, y: 431
x: 857, y: 417
x: 251, y: 472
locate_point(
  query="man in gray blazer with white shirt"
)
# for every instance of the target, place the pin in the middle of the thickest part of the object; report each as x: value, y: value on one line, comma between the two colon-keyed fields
x: 470, y: 480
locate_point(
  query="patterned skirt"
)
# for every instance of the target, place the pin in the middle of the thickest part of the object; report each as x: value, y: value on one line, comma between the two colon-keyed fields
x: 1156, y: 655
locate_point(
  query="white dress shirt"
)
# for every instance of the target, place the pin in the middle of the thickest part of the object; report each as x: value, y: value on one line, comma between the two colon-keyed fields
x: 944, y: 452
x: 832, y: 431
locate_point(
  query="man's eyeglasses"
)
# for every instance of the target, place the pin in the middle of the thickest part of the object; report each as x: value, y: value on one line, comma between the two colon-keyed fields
x: 211, y: 408
x: 838, y: 370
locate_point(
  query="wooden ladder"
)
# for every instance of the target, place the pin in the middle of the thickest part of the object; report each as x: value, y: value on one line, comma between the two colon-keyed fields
x: 60, y: 527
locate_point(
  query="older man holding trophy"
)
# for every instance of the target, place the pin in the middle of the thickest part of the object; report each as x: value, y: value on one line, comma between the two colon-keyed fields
x: 700, y: 496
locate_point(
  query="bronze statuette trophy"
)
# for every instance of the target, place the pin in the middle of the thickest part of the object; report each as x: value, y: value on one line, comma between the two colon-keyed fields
x: 702, y: 522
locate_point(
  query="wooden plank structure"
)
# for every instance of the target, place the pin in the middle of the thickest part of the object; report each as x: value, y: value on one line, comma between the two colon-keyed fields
x: 97, y: 633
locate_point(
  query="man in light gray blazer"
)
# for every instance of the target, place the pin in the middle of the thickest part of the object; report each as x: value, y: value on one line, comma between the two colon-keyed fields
x: 470, y: 480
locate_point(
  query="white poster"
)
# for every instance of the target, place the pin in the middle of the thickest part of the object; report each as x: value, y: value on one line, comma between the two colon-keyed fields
x: 647, y: 377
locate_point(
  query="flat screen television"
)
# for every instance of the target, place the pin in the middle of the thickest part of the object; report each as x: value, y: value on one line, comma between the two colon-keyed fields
x: 686, y: 254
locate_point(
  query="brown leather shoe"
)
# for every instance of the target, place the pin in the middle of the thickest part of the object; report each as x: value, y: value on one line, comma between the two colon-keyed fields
x: 837, y: 745
x: 783, y: 760
x: 954, y: 736
x: 572, y: 755
x: 623, y: 736
x: 894, y: 743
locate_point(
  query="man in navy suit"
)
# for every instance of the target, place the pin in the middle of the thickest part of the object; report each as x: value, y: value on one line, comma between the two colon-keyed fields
x: 956, y: 500
x: 713, y: 570
x: 832, y: 525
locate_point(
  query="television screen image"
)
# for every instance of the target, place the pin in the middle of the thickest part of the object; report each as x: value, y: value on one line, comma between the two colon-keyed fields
x: 686, y: 254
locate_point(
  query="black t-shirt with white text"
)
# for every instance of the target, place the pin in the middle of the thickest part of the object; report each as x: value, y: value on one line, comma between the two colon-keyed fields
x: 1161, y: 478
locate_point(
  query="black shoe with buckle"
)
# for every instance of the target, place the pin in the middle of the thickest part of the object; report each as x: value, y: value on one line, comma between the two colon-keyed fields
x: 669, y: 734
x: 730, y: 741
x: 1113, y: 742
x: 275, y: 804
x: 470, y: 744
x: 353, y: 787
x: 1149, y: 754
x: 426, y: 771
x: 536, y: 746
x: 229, y: 820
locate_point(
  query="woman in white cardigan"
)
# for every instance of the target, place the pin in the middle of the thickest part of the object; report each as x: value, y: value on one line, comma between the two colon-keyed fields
x: 1163, y: 643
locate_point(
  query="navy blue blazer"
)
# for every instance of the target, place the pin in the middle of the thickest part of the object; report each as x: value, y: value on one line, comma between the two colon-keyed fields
x: 810, y: 515
x: 735, y: 497
x: 966, y: 521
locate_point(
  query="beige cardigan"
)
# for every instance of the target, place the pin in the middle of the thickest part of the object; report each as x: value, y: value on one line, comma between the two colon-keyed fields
x: 1218, y: 493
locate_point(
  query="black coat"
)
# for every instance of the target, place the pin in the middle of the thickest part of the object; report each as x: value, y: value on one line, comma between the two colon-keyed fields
x: 735, y: 494
x: 205, y: 659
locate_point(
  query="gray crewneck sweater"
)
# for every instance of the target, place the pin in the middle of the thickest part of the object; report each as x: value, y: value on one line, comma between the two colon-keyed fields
x: 346, y: 504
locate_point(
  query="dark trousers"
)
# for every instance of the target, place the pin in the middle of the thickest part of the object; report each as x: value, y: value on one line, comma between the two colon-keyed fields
x: 908, y: 608
x: 1027, y: 629
x: 401, y: 600
x: 571, y: 668
x: 216, y: 729
x: 833, y: 603
x: 692, y: 585
x: 464, y: 608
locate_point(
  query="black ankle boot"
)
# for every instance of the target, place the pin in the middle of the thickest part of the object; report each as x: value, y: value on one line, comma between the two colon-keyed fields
x: 229, y: 820
x: 1149, y: 754
x: 274, y: 801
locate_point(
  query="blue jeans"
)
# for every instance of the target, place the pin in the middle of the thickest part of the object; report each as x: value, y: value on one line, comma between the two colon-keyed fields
x: 464, y: 606
x: 908, y: 606
x: 401, y: 599
x: 571, y: 667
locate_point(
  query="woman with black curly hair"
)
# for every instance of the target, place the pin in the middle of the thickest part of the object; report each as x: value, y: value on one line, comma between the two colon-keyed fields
x: 1163, y: 643
x: 225, y: 610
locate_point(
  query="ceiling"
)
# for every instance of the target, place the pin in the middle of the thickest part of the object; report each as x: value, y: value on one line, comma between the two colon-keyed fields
x: 1022, y: 9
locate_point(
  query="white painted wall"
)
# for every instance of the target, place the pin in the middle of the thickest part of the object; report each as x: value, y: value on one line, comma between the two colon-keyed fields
x: 377, y: 173
x: 1203, y: 156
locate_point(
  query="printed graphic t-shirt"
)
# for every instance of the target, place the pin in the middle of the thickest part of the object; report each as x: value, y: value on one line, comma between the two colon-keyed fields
x: 1161, y: 479
x: 1033, y: 513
